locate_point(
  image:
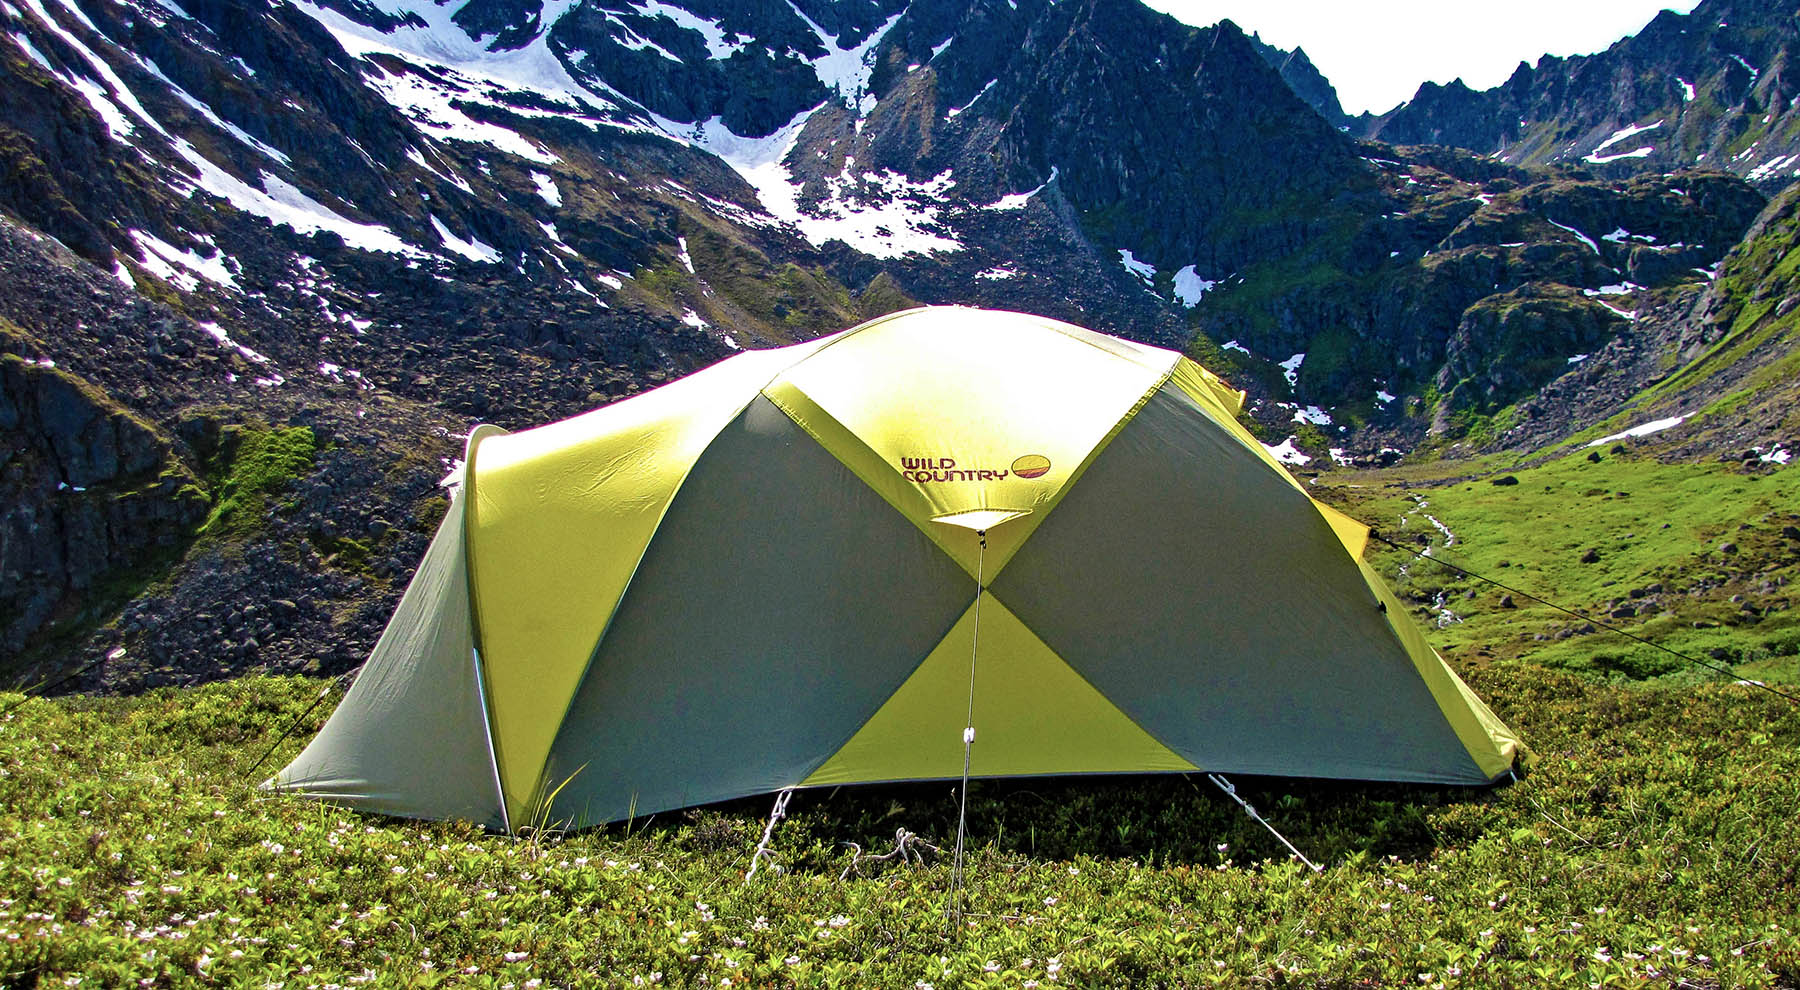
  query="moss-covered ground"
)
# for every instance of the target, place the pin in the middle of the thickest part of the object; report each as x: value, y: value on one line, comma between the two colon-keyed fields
x: 253, y: 467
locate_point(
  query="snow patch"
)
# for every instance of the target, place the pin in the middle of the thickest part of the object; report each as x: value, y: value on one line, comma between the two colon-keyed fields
x: 637, y: 42
x: 1017, y: 201
x: 1145, y: 271
x: 1585, y: 239
x: 1189, y: 286
x: 1290, y: 369
x: 1621, y: 134
x: 338, y: 373
x: 998, y: 272
x: 1643, y: 152
x: 1383, y: 396
x: 1620, y: 235
x: 1643, y: 430
x: 846, y: 71
x: 546, y: 187
x: 951, y: 113
x: 1628, y: 314
x: 219, y: 334
x: 284, y: 205
x: 885, y: 215
x: 718, y: 46
x: 1232, y: 345
x: 1772, y: 166
x: 431, y: 105
x: 1313, y: 415
x: 472, y: 249
x: 1687, y: 90
x: 466, y: 70
x: 174, y: 265
x: 246, y: 138
x: 1287, y: 453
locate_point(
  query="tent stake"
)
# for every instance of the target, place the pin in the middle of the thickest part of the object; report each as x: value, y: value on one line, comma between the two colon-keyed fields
x: 762, y: 848
x: 1225, y: 785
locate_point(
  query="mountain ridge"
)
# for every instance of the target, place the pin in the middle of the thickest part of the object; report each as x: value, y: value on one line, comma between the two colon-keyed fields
x: 1713, y: 87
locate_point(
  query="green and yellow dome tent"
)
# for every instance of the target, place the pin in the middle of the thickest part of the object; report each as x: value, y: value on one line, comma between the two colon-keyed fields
x: 814, y: 565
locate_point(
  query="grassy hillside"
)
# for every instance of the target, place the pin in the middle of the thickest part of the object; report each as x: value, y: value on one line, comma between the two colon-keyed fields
x: 1700, y: 558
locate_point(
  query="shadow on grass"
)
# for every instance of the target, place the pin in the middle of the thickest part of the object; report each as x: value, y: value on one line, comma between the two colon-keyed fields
x: 1154, y: 818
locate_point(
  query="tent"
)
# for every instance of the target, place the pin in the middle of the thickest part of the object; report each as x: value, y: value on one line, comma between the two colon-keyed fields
x: 816, y: 565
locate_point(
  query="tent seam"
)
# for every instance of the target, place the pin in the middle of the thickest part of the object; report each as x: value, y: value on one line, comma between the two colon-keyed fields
x: 675, y: 492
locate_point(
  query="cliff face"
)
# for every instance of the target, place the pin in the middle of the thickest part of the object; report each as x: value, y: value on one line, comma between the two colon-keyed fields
x: 93, y: 495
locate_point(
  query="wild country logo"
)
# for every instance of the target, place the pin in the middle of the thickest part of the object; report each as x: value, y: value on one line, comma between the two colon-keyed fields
x: 939, y: 469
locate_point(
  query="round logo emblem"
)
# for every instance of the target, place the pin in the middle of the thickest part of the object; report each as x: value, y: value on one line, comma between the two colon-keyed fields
x: 1031, y: 466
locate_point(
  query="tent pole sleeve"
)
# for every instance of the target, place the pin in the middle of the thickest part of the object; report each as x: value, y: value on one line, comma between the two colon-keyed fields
x: 476, y: 435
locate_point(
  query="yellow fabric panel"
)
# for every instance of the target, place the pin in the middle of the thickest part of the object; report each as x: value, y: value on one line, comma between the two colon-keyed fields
x: 1493, y: 746
x: 559, y: 517
x: 1033, y: 715
x: 1355, y: 535
x: 1207, y: 388
x: 947, y: 410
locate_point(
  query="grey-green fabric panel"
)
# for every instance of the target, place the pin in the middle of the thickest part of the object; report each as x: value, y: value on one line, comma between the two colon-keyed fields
x: 780, y: 603
x: 410, y: 737
x: 1207, y: 598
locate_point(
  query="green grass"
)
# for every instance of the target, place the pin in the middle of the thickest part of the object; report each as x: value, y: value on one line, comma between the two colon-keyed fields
x: 1659, y: 533
x: 1655, y: 836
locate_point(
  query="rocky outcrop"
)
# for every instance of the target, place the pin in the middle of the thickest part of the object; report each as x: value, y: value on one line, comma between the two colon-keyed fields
x: 1509, y: 344
x: 92, y: 495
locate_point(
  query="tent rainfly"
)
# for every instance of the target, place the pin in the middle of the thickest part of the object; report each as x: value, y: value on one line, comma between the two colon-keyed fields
x: 810, y: 565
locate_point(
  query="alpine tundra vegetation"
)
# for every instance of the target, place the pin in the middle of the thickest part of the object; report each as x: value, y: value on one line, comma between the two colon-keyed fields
x: 265, y: 265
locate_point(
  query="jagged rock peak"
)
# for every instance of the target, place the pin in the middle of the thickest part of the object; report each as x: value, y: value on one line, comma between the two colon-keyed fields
x: 1716, y: 88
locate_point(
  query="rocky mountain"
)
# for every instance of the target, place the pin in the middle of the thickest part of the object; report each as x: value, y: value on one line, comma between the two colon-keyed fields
x: 263, y: 262
x: 1715, y: 88
x: 1305, y: 79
